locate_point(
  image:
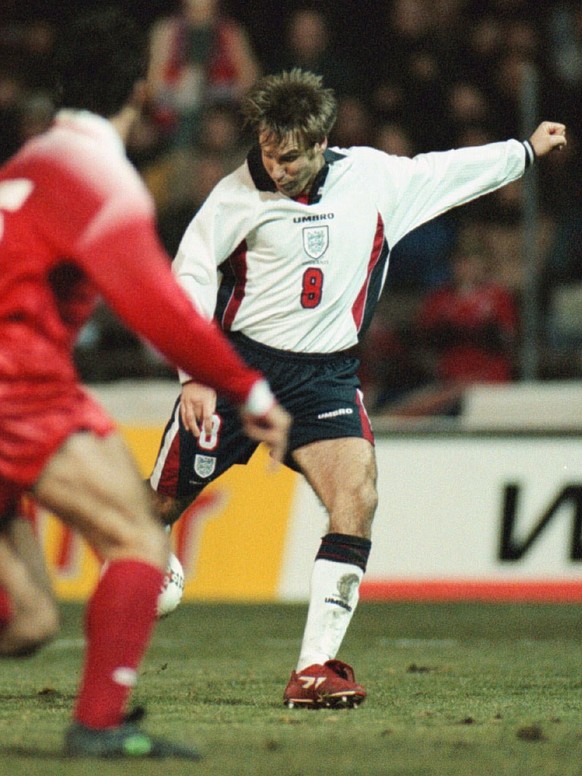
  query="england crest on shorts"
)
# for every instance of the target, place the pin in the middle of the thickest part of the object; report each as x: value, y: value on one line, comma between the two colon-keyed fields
x: 315, y: 241
x: 204, y: 465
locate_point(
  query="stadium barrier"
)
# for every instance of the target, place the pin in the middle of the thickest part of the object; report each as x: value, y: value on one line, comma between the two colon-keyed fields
x: 492, y: 514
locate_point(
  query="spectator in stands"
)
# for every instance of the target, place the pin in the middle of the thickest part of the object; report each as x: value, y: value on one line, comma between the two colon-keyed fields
x: 389, y: 369
x: 565, y: 34
x: 220, y: 133
x: 199, y: 176
x: 36, y: 113
x: 354, y: 124
x: 420, y: 261
x: 25, y: 105
x: 480, y: 48
x: 26, y: 47
x: 561, y: 274
x: 310, y: 44
x: 513, y: 70
x: 199, y: 57
x: 467, y: 333
x: 393, y: 138
x: 467, y: 109
x: 412, y: 64
x: 169, y: 177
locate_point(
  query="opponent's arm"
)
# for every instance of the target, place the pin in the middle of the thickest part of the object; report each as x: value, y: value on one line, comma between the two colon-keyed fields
x: 140, y: 287
x: 110, y: 234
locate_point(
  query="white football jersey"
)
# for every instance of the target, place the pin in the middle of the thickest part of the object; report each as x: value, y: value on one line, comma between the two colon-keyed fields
x: 306, y: 277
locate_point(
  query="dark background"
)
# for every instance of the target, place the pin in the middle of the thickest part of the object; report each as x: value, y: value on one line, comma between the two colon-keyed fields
x: 358, y: 23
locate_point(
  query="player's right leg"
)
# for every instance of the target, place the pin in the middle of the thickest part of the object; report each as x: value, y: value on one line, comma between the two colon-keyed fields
x: 93, y: 485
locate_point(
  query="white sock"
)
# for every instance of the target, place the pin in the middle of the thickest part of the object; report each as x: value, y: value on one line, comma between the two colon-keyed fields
x: 333, y: 598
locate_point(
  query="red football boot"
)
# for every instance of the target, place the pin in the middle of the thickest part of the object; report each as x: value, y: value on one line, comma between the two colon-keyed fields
x: 327, y: 686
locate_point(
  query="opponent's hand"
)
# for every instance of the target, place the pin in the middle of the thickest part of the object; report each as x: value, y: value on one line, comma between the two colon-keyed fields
x: 271, y: 428
x: 547, y: 137
x: 197, y: 406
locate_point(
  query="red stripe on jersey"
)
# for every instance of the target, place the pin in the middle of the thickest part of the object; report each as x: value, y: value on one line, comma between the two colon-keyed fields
x: 360, y: 303
x: 238, y: 262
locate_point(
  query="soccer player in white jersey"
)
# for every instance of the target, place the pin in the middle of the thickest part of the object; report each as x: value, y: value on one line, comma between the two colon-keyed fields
x: 289, y: 253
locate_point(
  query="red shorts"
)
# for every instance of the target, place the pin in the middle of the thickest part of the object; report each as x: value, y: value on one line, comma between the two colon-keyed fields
x: 33, y: 427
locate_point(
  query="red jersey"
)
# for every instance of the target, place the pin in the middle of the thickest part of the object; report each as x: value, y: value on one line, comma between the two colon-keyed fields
x: 76, y: 223
x: 472, y: 331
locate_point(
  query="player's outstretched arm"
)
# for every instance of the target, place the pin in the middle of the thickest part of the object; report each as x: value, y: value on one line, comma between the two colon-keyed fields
x: 547, y: 137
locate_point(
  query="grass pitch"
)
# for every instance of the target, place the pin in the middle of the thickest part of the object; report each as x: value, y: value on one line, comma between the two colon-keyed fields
x: 454, y: 690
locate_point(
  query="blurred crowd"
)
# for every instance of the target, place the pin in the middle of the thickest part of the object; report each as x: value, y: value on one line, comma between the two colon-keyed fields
x: 411, y: 76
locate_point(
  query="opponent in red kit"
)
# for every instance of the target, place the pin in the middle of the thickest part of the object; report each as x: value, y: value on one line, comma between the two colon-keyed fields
x: 76, y: 223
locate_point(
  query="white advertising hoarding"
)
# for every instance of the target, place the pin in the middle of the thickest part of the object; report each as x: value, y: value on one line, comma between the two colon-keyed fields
x: 462, y: 516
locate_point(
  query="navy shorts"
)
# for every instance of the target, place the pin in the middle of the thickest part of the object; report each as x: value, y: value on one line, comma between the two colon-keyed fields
x: 320, y: 391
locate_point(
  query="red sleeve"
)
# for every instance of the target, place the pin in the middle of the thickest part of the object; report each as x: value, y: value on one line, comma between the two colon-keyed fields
x: 98, y: 214
x: 132, y: 272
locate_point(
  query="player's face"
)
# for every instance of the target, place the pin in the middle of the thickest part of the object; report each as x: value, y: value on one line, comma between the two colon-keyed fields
x: 290, y: 165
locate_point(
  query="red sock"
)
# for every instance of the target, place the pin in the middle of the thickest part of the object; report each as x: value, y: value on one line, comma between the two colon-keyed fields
x: 118, y: 624
x: 6, y: 611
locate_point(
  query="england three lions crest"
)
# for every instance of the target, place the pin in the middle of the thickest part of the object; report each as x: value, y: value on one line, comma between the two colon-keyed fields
x: 204, y: 465
x: 315, y: 241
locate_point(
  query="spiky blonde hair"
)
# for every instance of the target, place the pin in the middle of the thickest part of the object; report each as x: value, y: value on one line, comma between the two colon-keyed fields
x: 291, y: 102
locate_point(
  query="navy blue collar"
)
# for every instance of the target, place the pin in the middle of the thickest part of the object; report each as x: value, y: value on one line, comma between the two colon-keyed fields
x: 263, y: 182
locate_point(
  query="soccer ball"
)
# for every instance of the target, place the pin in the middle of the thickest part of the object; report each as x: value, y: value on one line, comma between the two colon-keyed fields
x: 172, y: 587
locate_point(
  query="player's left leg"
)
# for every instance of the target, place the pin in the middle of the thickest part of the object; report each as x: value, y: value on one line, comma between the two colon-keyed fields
x: 30, y: 616
x: 342, y: 472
